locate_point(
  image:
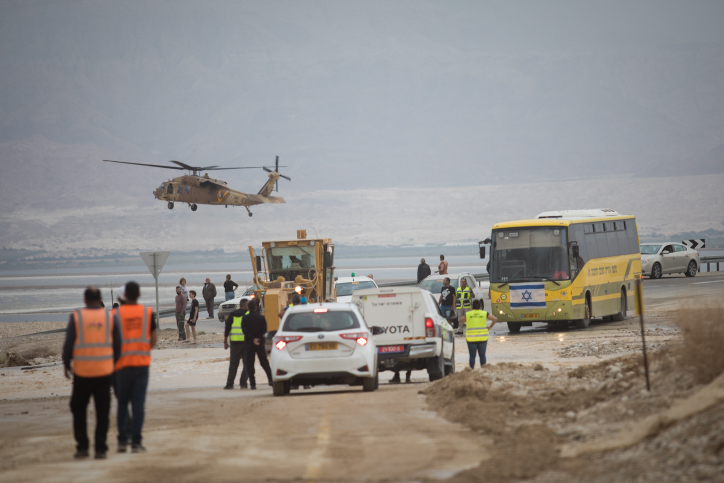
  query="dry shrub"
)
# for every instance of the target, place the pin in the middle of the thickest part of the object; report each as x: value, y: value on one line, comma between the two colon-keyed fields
x: 702, y: 350
x: 19, y: 357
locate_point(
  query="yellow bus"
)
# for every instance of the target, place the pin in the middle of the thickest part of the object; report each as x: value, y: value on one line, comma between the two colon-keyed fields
x: 563, y: 267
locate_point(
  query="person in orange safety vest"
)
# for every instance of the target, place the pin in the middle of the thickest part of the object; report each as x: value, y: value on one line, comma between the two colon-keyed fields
x: 138, y: 337
x: 92, y: 344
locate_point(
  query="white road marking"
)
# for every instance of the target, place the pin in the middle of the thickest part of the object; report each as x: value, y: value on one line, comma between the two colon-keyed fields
x: 712, y: 281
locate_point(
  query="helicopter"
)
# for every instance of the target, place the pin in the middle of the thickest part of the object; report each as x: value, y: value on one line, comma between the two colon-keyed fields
x: 194, y: 188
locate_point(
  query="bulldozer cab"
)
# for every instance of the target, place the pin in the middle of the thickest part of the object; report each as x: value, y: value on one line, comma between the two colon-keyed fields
x: 284, y: 267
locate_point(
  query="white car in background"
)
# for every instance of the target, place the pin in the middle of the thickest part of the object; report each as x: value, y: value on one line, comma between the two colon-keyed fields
x: 227, y: 307
x: 659, y: 259
x: 346, y: 286
x: 323, y: 344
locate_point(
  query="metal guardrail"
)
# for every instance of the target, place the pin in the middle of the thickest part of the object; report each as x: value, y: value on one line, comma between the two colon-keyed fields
x: 412, y: 283
x: 709, y: 261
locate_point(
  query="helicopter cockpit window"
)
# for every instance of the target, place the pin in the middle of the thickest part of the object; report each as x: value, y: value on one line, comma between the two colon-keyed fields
x: 180, y: 189
x: 161, y: 187
x: 289, y: 262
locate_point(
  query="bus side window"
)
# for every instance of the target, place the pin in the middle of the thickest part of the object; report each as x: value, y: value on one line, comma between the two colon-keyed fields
x: 633, y: 238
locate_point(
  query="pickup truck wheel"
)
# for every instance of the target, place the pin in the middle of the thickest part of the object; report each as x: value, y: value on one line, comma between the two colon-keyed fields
x: 278, y: 388
x: 369, y: 384
x: 514, y: 327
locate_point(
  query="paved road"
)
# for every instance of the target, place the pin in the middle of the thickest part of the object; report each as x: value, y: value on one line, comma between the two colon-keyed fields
x: 197, y: 431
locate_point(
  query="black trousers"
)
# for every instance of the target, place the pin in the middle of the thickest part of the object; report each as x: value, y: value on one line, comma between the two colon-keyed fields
x: 237, y: 351
x: 83, y: 389
x: 251, y: 351
x: 210, y: 306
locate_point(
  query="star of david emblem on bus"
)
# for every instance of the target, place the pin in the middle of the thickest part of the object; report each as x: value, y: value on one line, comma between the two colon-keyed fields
x: 527, y: 296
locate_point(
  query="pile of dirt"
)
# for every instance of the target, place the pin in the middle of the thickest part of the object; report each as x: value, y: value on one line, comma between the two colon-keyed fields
x: 29, y: 355
x: 559, y: 425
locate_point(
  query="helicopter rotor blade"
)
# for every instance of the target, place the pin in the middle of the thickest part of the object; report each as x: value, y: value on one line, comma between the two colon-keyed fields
x: 277, y: 165
x: 142, y: 164
x: 241, y: 167
x: 184, y: 165
x: 285, y: 177
x: 267, y: 169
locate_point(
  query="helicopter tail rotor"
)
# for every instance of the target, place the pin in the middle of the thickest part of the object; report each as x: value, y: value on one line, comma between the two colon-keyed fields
x: 276, y: 170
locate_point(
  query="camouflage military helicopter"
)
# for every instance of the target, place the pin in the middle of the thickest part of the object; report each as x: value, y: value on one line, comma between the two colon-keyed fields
x: 194, y: 188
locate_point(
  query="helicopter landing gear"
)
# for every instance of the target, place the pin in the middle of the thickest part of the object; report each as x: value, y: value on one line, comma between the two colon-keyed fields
x: 193, y: 207
x: 170, y: 205
x: 248, y: 210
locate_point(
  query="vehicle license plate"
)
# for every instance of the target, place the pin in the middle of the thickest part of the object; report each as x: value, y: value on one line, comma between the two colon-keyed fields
x: 386, y: 349
x: 322, y: 346
x: 530, y: 316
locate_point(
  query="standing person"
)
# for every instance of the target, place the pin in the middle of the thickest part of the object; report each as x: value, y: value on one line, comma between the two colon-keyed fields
x: 209, y: 292
x: 93, y: 344
x: 139, y: 333
x: 423, y: 270
x: 442, y: 268
x: 193, y: 315
x: 253, y: 325
x: 396, y: 378
x: 229, y: 288
x: 234, y: 340
x: 447, y: 297
x: 182, y: 283
x: 180, y: 313
x: 477, y: 333
x: 463, y: 299
x: 294, y: 300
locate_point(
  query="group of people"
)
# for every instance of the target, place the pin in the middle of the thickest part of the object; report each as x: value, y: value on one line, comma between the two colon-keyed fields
x: 423, y: 269
x: 106, y: 350
x: 187, y: 327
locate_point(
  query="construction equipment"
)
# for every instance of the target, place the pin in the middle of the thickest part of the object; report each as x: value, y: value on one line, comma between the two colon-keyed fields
x: 304, y: 266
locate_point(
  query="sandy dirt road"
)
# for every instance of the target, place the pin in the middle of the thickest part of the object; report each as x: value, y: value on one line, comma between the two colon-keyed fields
x: 197, y: 431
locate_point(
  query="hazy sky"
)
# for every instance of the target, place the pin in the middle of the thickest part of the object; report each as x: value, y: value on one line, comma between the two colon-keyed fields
x: 352, y: 96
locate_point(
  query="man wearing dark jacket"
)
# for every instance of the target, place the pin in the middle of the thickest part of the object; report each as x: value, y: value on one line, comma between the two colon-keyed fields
x: 237, y: 345
x: 423, y: 270
x: 253, y: 325
x: 209, y: 292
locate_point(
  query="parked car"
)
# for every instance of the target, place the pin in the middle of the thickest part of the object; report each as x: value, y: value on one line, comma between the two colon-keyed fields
x: 346, y: 286
x: 225, y: 308
x: 665, y: 258
x: 323, y: 344
x: 434, y: 284
x: 415, y: 335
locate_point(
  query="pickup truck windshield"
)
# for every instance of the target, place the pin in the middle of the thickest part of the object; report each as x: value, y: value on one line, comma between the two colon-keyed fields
x: 321, y: 322
x: 529, y: 254
x: 435, y: 286
x: 348, y: 288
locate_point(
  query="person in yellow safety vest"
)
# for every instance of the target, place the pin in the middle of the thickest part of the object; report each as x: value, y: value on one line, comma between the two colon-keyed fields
x: 463, y: 300
x: 138, y: 336
x: 93, y: 344
x: 476, y: 334
x: 233, y: 333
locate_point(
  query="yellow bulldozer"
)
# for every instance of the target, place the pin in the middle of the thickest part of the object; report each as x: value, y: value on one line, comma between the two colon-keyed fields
x: 303, y: 266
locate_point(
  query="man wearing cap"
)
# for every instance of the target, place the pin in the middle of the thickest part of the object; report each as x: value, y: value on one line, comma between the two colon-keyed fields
x: 138, y: 336
x: 93, y: 344
x: 209, y: 293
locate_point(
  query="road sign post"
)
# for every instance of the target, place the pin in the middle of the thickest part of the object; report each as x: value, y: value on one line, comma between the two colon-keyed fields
x: 154, y: 262
x: 640, y: 313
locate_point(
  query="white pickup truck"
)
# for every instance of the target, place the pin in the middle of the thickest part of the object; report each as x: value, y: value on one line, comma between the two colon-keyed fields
x: 416, y: 335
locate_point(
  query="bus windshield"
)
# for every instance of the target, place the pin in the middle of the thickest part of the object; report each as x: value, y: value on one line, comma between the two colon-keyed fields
x: 529, y: 254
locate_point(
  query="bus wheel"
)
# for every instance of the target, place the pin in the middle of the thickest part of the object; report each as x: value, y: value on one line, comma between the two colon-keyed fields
x: 586, y: 320
x: 656, y: 271
x: 514, y: 327
x: 621, y: 315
